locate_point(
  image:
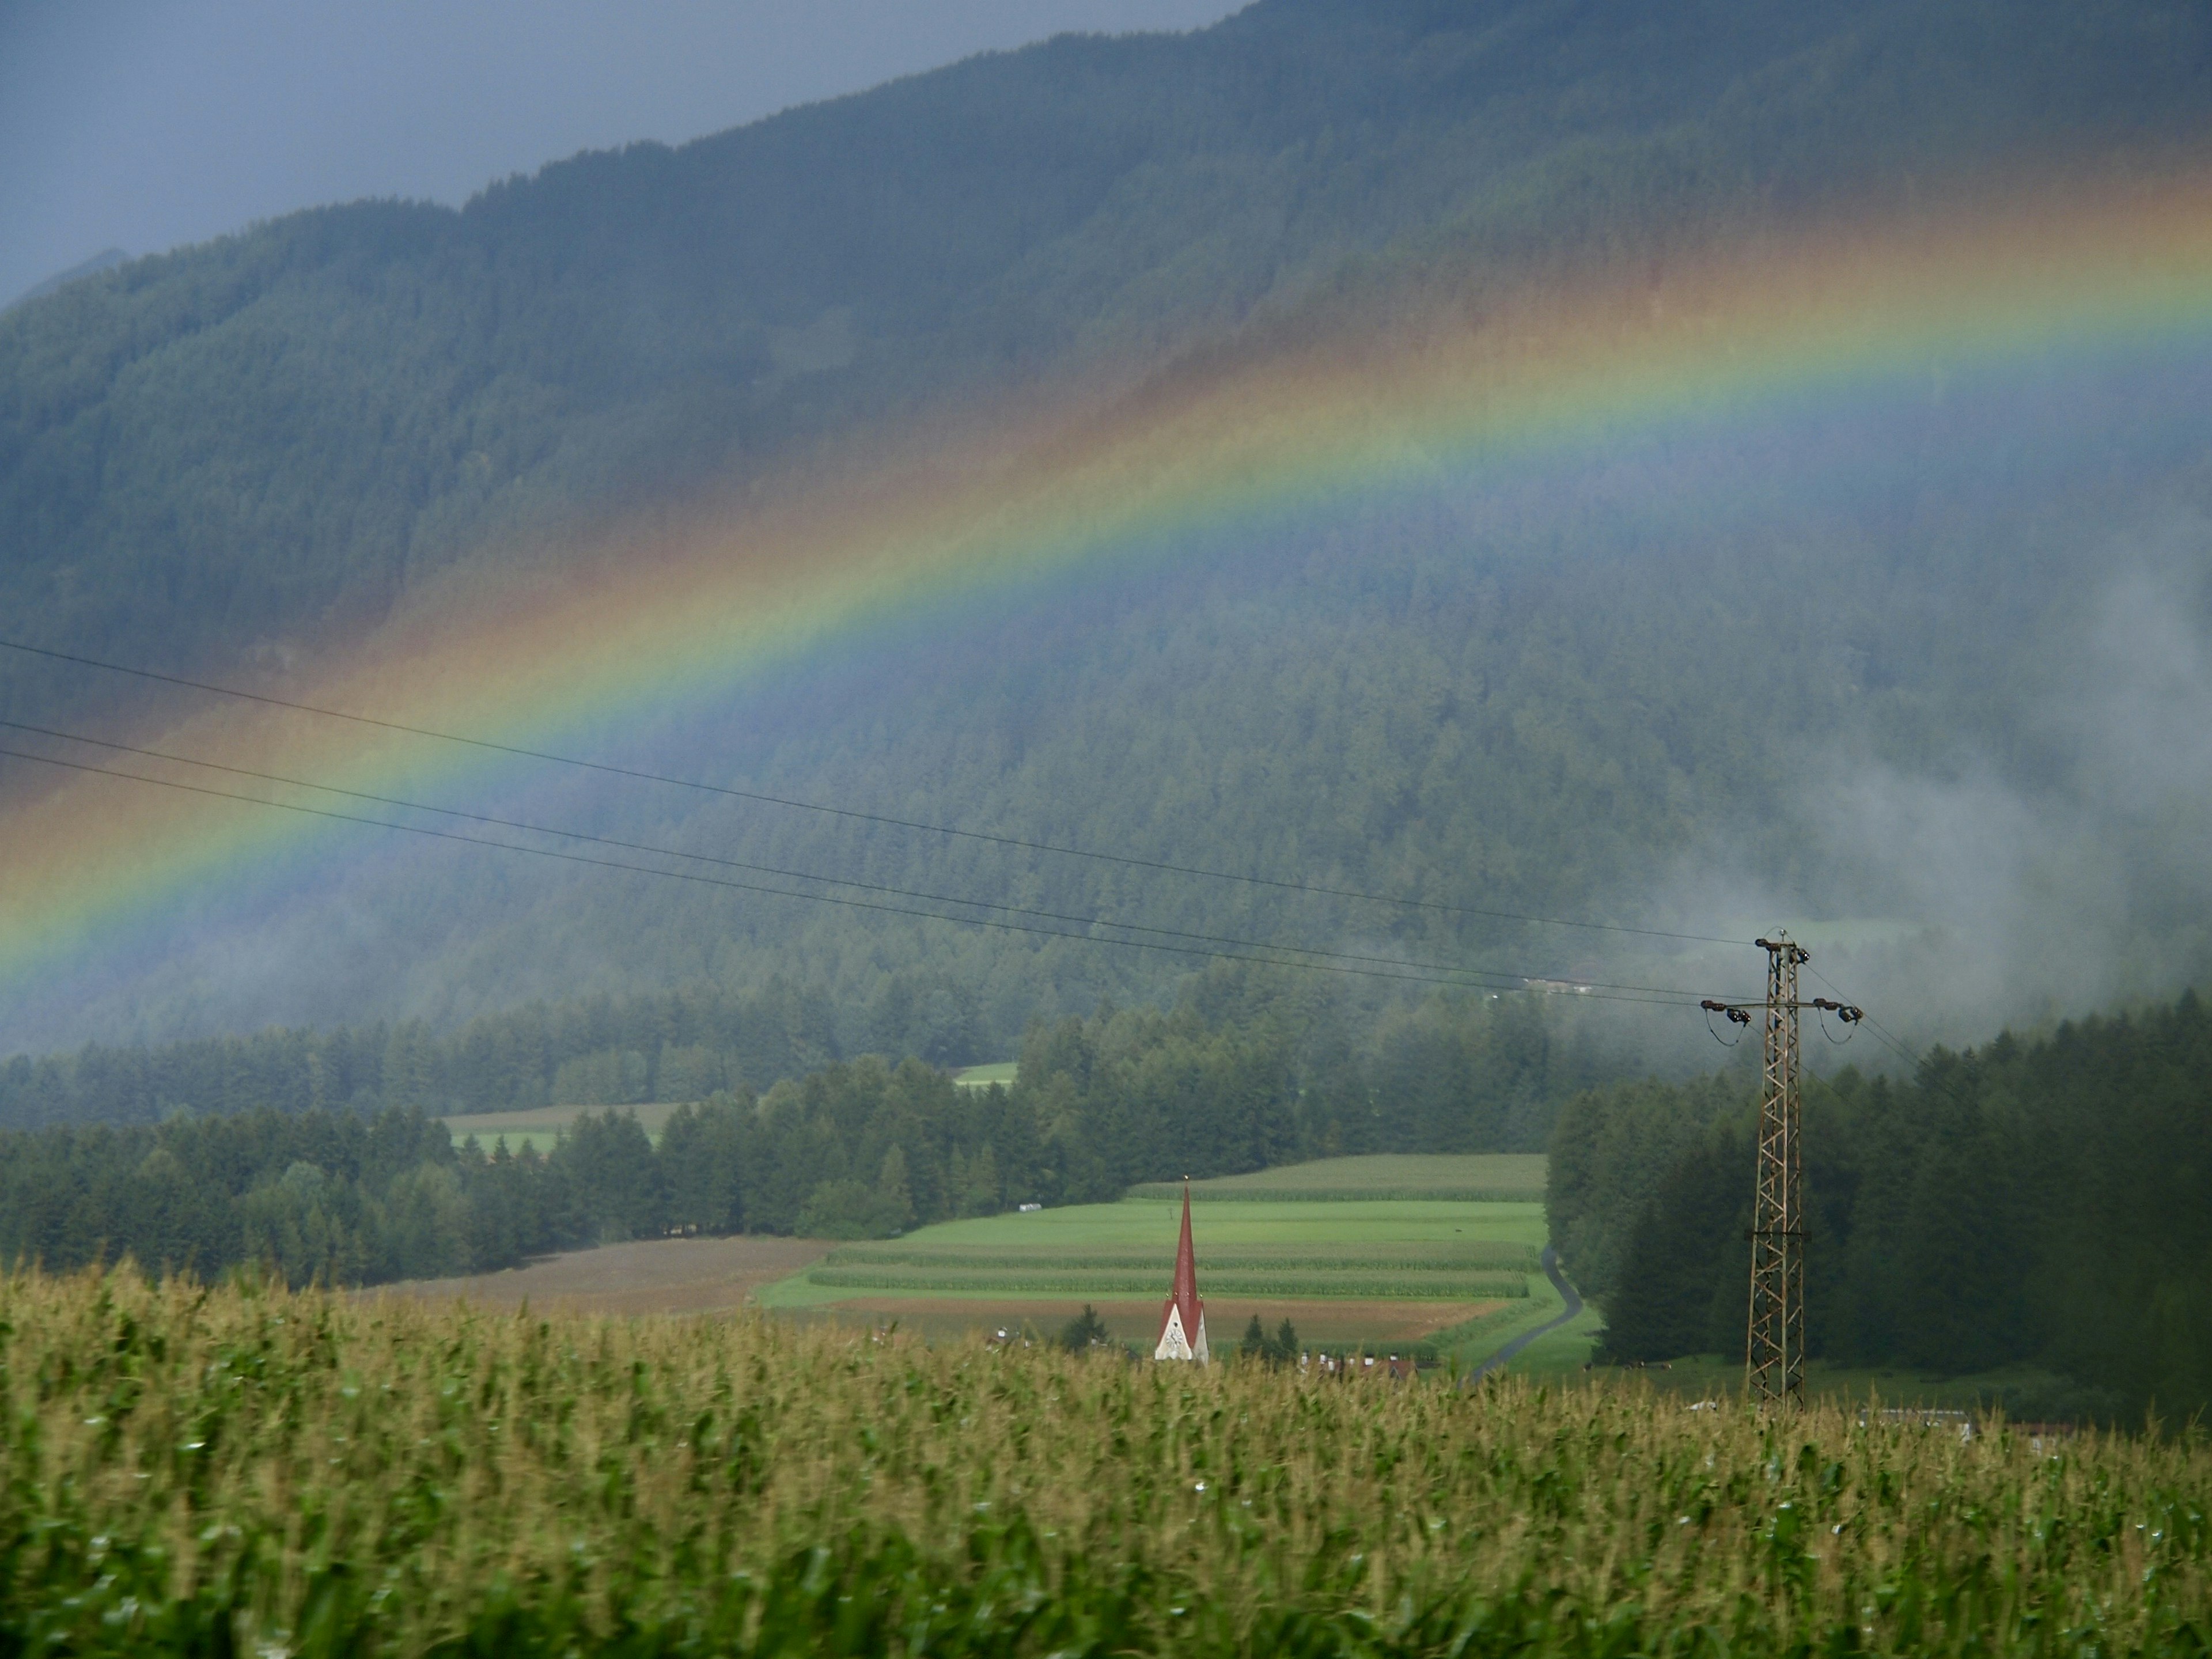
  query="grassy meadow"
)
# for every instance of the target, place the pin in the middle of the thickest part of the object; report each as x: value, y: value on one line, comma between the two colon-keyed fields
x: 1339, y: 1248
x: 540, y: 1126
x: 234, y: 1471
x: 1000, y: 1072
x: 1442, y: 1177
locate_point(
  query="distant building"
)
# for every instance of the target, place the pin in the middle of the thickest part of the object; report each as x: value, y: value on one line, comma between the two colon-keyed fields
x: 1182, y: 1321
x: 1347, y: 1365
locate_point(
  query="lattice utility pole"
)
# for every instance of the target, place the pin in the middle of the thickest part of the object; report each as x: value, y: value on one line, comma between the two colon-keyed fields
x: 1774, y: 1357
x: 1774, y: 1353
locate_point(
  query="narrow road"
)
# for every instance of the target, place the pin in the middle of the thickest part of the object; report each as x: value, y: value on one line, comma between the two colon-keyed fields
x: 1567, y: 1292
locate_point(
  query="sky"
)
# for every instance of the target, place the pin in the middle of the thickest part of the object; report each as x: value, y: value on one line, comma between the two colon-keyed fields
x: 141, y: 125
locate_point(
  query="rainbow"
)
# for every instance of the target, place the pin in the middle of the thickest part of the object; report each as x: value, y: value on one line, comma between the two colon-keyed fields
x: 1385, y: 396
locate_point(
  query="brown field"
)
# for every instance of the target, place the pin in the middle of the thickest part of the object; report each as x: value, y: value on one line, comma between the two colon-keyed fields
x: 649, y: 1276
x: 1330, y: 1321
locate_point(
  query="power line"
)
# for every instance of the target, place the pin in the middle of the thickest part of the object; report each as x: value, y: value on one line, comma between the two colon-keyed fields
x: 1479, y: 973
x: 641, y: 776
x: 1859, y: 1017
x: 1667, y: 998
x: 1875, y: 1025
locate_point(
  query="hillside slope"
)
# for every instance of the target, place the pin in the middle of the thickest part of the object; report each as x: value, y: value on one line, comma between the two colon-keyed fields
x: 1524, y: 695
x: 243, y: 447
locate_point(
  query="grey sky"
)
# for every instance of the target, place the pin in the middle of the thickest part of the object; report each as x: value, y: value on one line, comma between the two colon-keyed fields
x: 143, y: 123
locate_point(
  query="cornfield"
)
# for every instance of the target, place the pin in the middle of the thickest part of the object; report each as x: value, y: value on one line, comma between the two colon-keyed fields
x: 227, y: 1470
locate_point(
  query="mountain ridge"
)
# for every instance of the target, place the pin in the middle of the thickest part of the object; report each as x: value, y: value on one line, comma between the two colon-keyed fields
x: 217, y: 458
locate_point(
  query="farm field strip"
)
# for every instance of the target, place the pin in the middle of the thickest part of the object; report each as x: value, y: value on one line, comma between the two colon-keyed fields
x: 1429, y: 1287
x: 1462, y: 1272
x: 540, y: 1125
x: 645, y: 1276
x: 1485, y: 1177
x: 1143, y: 1227
x: 1155, y: 1194
x: 1473, y: 1257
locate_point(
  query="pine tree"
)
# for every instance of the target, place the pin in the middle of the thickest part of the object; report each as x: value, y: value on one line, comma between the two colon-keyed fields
x: 894, y: 1201
x: 1086, y: 1331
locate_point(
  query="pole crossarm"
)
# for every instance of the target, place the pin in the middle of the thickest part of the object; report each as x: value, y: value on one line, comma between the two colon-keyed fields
x: 1740, y: 1012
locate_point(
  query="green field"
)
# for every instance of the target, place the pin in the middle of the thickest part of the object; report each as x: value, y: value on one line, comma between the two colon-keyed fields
x: 1457, y: 1273
x: 540, y: 1126
x: 1511, y: 1177
x: 241, y: 1470
x: 982, y: 1077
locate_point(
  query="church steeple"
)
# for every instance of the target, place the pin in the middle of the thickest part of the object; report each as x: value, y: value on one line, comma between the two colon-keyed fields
x: 1182, y: 1321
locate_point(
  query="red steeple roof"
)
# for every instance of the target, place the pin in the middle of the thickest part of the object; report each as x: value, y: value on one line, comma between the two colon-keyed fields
x: 1182, y: 1318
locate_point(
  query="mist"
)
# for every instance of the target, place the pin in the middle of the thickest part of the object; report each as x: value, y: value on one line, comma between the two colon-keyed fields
x: 2063, y: 876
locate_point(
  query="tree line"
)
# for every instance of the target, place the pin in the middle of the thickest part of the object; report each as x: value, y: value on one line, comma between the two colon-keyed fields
x: 676, y: 1045
x: 1246, y: 1070
x: 1464, y: 1067
x: 2041, y: 1202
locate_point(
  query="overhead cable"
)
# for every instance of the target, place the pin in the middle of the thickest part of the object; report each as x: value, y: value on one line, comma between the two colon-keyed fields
x: 1505, y: 976
x: 637, y: 774
x: 1663, y: 998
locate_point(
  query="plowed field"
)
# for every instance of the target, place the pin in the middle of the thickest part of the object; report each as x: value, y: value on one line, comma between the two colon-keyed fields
x: 659, y: 1275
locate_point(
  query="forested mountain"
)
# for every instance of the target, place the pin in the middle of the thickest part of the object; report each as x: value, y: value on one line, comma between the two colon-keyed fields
x: 2039, y: 1200
x: 106, y: 259
x: 252, y: 444
x: 1832, y: 673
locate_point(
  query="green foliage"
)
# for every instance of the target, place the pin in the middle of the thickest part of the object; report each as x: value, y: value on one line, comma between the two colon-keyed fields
x: 1283, y: 1069
x: 244, y: 1470
x: 588, y: 1051
x: 1252, y: 1069
x: 1086, y: 1331
x: 1280, y: 1349
x: 860, y: 1209
x: 2040, y: 1199
x: 1255, y: 1343
x: 1610, y: 1149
